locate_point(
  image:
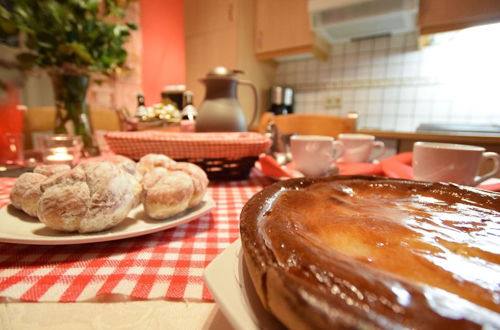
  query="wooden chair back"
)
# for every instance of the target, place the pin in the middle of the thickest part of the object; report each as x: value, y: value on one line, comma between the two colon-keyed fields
x: 309, y: 124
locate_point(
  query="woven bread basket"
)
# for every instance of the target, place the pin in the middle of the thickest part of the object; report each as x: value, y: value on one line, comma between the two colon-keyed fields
x: 223, y: 155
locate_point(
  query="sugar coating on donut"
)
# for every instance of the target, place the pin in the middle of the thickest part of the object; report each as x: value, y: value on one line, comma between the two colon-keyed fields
x: 199, y: 177
x: 166, y: 192
x: 151, y: 161
x: 26, y: 192
x: 49, y: 170
x: 126, y: 163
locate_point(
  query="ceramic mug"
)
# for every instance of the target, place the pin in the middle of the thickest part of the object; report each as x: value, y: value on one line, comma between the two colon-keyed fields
x: 358, y: 148
x: 313, y: 155
x: 446, y: 162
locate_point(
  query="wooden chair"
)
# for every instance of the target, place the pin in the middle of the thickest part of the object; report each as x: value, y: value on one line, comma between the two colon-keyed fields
x: 42, y: 119
x: 309, y: 124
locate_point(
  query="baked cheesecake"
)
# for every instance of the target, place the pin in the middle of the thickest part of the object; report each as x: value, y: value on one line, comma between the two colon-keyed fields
x: 374, y: 253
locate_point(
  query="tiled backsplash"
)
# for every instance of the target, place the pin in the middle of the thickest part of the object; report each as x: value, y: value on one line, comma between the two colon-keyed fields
x: 393, y: 85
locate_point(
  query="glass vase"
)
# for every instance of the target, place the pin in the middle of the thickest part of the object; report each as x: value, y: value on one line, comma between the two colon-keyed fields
x: 72, y: 112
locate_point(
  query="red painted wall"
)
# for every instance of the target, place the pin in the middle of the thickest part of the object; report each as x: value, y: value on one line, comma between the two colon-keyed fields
x: 163, y: 50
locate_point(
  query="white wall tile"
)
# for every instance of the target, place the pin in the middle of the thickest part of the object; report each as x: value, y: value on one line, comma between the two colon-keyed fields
x: 395, y: 71
x: 404, y: 123
x: 381, y: 43
x: 375, y: 108
x: 348, y: 95
x: 312, y: 65
x: 388, y: 123
x: 425, y: 93
x: 350, y: 61
x: 366, y: 45
x: 324, y: 76
x: 361, y: 109
x: 364, y: 59
x: 301, y: 66
x: 350, y: 73
x: 349, y: 106
x: 411, y: 41
x: 376, y: 94
x: 393, y: 85
x: 397, y: 41
x: 351, y: 47
x: 361, y: 95
x: 390, y: 109
x: 406, y: 109
x: 337, y: 61
x: 372, y: 121
x: 408, y: 93
x: 364, y: 72
x: 337, y: 74
x: 412, y: 56
x: 380, y: 57
x: 378, y: 72
x: 392, y: 94
x: 411, y: 69
x: 395, y: 56
x: 338, y: 49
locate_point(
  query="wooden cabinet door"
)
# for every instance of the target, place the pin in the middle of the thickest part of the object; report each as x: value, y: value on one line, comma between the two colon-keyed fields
x: 282, y: 28
x: 445, y: 15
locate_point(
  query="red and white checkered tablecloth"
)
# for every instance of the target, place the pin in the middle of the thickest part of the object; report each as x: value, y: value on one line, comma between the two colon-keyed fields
x: 164, y: 265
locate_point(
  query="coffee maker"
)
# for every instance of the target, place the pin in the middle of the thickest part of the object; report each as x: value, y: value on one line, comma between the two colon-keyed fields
x: 281, y: 99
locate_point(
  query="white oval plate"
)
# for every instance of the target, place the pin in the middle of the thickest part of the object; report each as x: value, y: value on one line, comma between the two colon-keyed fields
x: 18, y: 227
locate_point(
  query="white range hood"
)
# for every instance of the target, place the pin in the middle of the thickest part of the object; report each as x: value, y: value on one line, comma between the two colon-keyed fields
x: 344, y: 20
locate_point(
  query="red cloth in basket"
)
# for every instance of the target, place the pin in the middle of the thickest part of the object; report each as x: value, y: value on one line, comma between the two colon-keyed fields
x: 231, y: 145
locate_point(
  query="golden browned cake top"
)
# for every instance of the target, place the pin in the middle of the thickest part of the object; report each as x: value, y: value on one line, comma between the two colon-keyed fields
x: 409, y: 246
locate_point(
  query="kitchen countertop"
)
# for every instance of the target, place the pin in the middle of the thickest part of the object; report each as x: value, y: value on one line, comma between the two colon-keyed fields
x: 424, y: 136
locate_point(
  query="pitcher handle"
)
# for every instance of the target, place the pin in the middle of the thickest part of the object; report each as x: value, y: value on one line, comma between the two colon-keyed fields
x: 256, y: 98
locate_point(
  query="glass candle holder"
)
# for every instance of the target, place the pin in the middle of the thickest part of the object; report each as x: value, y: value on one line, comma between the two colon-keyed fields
x: 11, y: 149
x: 61, y: 149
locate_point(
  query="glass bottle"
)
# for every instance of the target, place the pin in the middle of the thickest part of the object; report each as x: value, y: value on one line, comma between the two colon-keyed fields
x: 141, y: 111
x: 188, y: 113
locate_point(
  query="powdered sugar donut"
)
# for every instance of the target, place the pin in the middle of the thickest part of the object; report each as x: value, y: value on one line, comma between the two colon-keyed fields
x: 166, y: 192
x: 89, y: 198
x: 198, y: 176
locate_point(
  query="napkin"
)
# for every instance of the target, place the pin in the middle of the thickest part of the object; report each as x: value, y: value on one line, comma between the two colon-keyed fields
x: 272, y: 168
x: 491, y: 187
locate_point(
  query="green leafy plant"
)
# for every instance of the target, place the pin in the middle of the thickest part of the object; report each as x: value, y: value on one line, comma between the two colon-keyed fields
x: 70, y: 39
x: 77, y: 35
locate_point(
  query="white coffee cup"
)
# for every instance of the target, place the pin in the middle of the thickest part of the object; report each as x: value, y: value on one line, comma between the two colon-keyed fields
x: 446, y: 162
x: 313, y: 155
x: 358, y: 148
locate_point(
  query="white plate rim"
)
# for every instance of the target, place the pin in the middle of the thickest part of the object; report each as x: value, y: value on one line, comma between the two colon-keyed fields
x: 142, y: 226
x: 225, y: 280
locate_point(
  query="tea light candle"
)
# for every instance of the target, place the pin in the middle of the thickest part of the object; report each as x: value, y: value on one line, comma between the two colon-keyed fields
x: 59, y: 155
